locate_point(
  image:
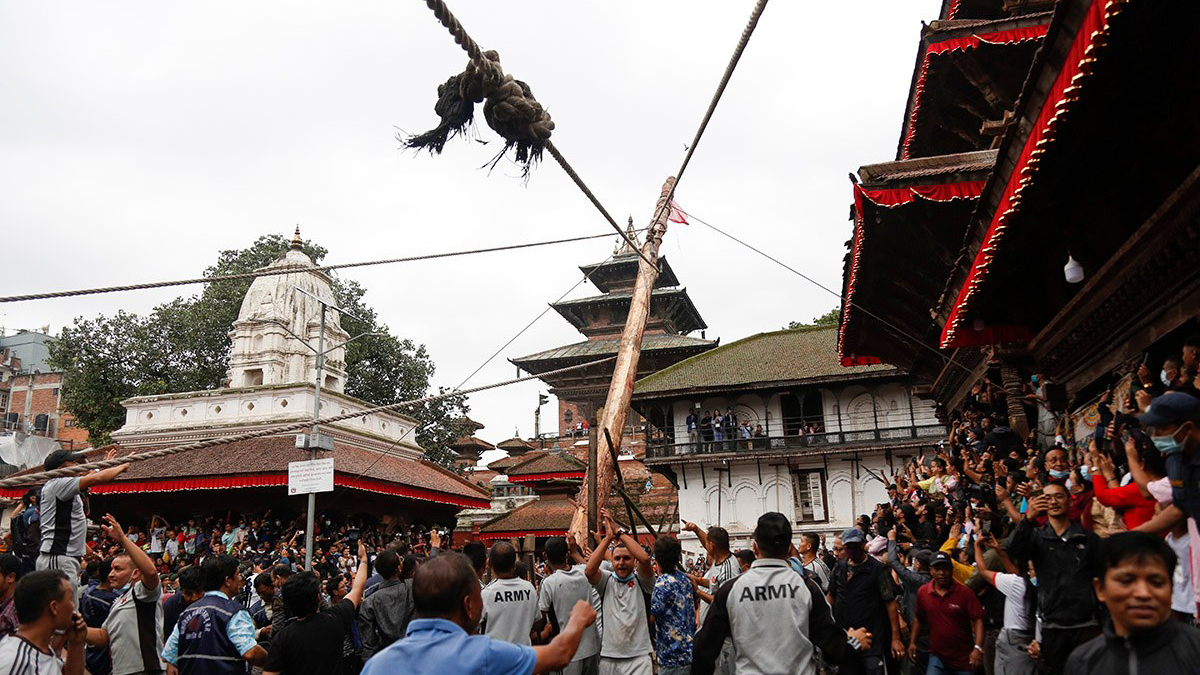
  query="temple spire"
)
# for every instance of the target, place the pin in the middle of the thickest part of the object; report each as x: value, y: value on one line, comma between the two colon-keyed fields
x: 631, y: 235
x: 297, y: 244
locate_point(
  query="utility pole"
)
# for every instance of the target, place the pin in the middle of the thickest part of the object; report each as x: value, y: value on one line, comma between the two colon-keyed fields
x: 315, y: 441
x: 312, y: 445
x: 620, y: 388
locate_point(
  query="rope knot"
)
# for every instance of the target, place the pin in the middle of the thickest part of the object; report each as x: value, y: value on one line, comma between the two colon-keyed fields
x: 509, y: 108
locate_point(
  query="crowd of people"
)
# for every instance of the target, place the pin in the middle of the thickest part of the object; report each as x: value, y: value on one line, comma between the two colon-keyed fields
x: 995, y: 553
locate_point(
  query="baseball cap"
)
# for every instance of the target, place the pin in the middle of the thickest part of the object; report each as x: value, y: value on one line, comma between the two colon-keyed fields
x: 773, y: 529
x: 853, y: 535
x: 941, y: 558
x: 923, y: 556
x: 59, y: 457
x: 1171, y: 408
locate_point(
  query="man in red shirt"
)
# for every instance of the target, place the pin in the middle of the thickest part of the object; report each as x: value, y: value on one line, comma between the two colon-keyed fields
x: 955, y: 620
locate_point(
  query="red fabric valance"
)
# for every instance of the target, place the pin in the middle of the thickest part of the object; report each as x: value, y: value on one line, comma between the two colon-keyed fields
x: 1010, y: 36
x: 889, y: 198
x: 266, y: 480
x: 1065, y: 90
x: 534, y: 477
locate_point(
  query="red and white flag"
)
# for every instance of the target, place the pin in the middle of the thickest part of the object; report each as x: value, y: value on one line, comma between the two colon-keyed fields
x: 676, y: 215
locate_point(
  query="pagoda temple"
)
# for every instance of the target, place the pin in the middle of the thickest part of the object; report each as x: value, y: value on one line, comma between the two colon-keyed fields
x: 601, y: 320
x: 972, y: 62
x: 1069, y: 256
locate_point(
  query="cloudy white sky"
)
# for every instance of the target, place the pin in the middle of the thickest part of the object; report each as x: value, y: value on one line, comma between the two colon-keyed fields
x: 137, y: 139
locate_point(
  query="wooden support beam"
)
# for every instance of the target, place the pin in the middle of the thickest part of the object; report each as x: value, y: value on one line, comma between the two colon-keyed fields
x: 969, y: 66
x: 620, y: 390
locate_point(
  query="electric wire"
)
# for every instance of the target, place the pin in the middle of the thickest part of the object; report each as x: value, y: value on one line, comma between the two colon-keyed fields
x: 900, y: 332
x: 289, y: 270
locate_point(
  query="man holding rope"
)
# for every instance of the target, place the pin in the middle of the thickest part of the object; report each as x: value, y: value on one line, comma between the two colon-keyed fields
x: 64, y: 513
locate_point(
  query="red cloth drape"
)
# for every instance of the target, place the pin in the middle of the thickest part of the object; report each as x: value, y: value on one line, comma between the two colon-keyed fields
x: 1095, y: 23
x: 1011, y: 36
x: 889, y: 198
x: 533, y: 477
x: 268, y: 480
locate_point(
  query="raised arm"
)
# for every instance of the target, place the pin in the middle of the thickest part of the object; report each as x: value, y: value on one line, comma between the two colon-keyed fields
x: 592, y: 570
x: 103, y: 476
x: 137, y: 556
x: 700, y: 533
x: 557, y: 655
x: 360, y: 578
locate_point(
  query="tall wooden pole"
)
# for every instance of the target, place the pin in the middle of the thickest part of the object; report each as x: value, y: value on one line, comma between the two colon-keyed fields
x: 620, y: 389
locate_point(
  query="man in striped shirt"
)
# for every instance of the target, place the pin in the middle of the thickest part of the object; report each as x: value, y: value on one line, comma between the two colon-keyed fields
x: 45, y: 605
x: 724, y: 569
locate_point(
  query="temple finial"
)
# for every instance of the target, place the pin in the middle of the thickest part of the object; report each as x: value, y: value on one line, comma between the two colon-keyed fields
x: 297, y: 244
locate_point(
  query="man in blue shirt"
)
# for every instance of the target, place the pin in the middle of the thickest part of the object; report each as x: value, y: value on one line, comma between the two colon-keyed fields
x: 673, y: 606
x: 440, y: 639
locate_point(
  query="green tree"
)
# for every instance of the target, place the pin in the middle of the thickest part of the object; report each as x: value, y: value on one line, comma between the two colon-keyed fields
x: 183, y: 345
x: 831, y: 318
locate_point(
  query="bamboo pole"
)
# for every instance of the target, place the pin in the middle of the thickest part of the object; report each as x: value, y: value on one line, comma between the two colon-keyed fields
x: 620, y: 389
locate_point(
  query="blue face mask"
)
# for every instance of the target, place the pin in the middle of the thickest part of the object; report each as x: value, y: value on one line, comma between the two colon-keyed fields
x: 1167, y: 445
x: 1059, y: 474
x: 1033, y: 581
x: 623, y: 580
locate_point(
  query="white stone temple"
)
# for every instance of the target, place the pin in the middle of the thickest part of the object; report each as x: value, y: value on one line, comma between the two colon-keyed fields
x: 272, y: 373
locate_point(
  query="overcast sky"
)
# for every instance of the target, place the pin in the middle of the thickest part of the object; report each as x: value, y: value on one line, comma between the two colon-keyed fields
x: 137, y: 139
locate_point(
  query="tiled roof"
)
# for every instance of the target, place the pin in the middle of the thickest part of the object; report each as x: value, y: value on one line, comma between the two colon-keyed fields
x: 782, y: 356
x: 471, y: 442
x: 481, y: 477
x: 549, y: 513
x: 602, y: 348
x: 546, y: 462
x: 612, y: 297
x: 514, y: 443
x: 272, y: 454
x: 928, y: 167
x: 505, y: 462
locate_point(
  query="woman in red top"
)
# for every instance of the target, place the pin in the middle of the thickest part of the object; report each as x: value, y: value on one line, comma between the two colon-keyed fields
x: 1136, y: 506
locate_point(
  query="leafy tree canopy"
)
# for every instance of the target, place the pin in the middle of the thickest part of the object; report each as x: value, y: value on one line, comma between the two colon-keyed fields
x: 831, y: 318
x: 183, y: 345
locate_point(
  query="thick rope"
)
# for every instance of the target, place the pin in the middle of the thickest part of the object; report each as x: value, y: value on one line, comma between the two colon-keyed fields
x: 272, y: 431
x: 712, y: 105
x: 287, y: 270
x: 513, y: 112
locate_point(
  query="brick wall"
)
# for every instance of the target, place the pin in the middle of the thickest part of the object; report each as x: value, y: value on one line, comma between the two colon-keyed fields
x: 45, y: 400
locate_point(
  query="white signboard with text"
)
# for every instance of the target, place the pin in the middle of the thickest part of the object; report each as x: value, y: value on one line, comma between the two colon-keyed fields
x: 314, y: 475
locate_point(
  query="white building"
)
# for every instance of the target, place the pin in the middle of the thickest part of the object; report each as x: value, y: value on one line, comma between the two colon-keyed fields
x: 823, y: 436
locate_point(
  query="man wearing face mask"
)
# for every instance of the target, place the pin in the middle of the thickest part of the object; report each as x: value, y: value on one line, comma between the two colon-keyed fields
x: 448, y: 606
x: 1174, y: 422
x: 133, y: 630
x: 624, y: 601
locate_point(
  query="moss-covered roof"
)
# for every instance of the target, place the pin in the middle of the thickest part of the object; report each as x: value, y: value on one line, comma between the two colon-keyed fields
x: 792, y: 355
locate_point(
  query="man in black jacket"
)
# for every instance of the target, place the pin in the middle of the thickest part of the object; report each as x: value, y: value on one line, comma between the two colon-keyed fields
x: 1063, y: 555
x: 1135, y: 584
